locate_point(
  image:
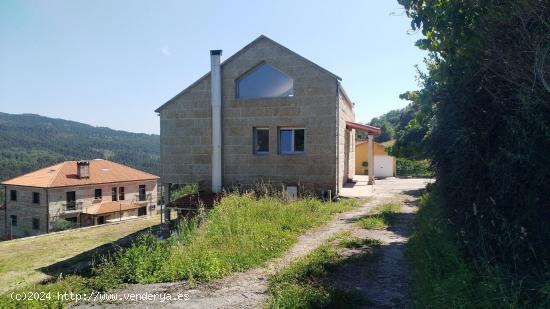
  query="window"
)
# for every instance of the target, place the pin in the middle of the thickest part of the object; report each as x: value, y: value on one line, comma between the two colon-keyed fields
x: 36, y: 197
x: 35, y: 224
x: 142, y: 192
x: 71, y: 200
x: 291, y: 141
x: 121, y: 193
x: 113, y: 194
x: 265, y: 81
x: 261, y: 141
x: 13, y: 220
x: 142, y: 211
x: 98, y: 194
x: 13, y: 195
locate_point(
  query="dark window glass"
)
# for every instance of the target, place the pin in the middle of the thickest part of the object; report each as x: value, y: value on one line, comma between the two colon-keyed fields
x: 299, y: 140
x: 13, y: 220
x: 291, y: 141
x: 142, y: 211
x: 261, y: 141
x: 98, y: 194
x: 142, y: 192
x: 13, y: 195
x: 71, y: 200
x: 36, y: 197
x: 121, y: 193
x: 113, y: 194
x: 265, y: 81
x: 35, y: 224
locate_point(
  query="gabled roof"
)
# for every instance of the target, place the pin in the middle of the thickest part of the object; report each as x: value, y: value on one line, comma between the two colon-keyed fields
x: 64, y: 174
x: 242, y: 50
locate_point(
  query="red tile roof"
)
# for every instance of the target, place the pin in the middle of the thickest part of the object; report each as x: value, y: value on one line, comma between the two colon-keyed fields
x: 64, y: 174
x: 109, y: 207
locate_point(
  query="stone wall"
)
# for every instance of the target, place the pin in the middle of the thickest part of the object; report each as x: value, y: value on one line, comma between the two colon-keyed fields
x: 186, y: 126
x: 346, y: 140
x: 26, y: 210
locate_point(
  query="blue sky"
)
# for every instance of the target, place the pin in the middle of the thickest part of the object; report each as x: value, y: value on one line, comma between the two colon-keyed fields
x: 112, y: 63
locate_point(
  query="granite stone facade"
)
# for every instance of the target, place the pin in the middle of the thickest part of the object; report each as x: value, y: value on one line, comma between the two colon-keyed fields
x: 318, y: 105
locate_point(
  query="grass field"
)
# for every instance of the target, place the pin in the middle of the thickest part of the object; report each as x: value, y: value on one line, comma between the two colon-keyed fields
x: 241, y: 232
x: 22, y: 259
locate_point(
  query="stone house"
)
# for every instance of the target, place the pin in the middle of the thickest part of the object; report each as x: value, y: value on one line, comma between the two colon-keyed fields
x: 84, y: 193
x: 264, y: 114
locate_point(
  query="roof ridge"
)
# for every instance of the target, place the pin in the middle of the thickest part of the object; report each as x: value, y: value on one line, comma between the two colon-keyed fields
x: 56, y: 174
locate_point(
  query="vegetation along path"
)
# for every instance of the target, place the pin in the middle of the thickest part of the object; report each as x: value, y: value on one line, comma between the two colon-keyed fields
x: 387, y: 286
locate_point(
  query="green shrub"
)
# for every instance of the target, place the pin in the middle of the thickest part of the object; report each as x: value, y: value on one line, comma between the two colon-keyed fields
x: 62, y: 225
x: 180, y: 191
x: 443, y: 276
x: 412, y: 168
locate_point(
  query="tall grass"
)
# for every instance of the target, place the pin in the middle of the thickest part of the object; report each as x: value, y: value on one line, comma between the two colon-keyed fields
x: 443, y: 277
x: 241, y: 232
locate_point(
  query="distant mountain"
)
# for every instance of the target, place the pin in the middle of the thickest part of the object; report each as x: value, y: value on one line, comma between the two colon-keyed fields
x: 29, y: 141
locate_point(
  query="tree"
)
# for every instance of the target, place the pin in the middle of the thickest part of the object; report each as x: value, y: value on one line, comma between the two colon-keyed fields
x: 486, y: 105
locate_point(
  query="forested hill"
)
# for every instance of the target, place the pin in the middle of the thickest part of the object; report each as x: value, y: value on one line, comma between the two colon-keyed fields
x: 29, y: 141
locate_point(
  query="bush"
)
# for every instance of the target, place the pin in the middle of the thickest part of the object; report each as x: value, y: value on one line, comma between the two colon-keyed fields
x: 62, y: 225
x: 488, y: 85
x: 412, y: 168
x: 444, y: 277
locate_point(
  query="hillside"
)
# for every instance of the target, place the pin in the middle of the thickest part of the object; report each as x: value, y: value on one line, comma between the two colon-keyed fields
x: 30, y: 141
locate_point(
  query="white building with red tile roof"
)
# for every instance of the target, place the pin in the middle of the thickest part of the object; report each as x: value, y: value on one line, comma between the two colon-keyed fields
x: 78, y: 193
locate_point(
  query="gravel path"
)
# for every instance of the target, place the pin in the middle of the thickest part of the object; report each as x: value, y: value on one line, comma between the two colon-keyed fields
x: 249, y: 289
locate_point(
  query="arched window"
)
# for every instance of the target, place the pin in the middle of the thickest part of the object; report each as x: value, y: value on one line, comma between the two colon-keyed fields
x: 265, y: 81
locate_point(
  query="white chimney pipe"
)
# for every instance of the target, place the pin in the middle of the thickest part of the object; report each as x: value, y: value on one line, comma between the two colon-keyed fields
x: 216, y: 95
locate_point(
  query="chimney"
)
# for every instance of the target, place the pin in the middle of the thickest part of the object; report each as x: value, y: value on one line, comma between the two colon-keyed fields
x: 216, y: 97
x: 83, y: 169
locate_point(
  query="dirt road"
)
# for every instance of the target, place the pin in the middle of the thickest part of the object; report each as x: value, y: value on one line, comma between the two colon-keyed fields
x: 388, y: 287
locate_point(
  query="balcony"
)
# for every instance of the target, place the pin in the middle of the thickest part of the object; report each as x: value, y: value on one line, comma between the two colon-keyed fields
x: 72, y: 206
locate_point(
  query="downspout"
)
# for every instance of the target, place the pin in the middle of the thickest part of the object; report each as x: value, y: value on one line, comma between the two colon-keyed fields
x: 6, y: 211
x: 47, y: 211
x: 337, y: 189
x: 216, y: 100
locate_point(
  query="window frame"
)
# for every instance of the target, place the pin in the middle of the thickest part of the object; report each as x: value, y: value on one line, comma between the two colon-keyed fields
x: 13, y: 195
x: 13, y: 219
x: 35, y: 224
x: 255, y: 141
x: 121, y: 196
x: 293, y: 152
x: 114, y: 194
x: 144, y: 193
x: 252, y: 70
x: 71, y: 204
x: 36, y: 197
x: 98, y: 196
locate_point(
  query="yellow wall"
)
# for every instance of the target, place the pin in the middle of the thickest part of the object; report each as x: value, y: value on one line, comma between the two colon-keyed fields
x: 362, y: 154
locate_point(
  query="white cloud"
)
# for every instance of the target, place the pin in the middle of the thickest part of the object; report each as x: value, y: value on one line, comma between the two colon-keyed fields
x: 166, y: 51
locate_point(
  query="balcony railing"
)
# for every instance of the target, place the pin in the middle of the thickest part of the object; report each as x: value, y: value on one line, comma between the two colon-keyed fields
x: 73, y: 206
